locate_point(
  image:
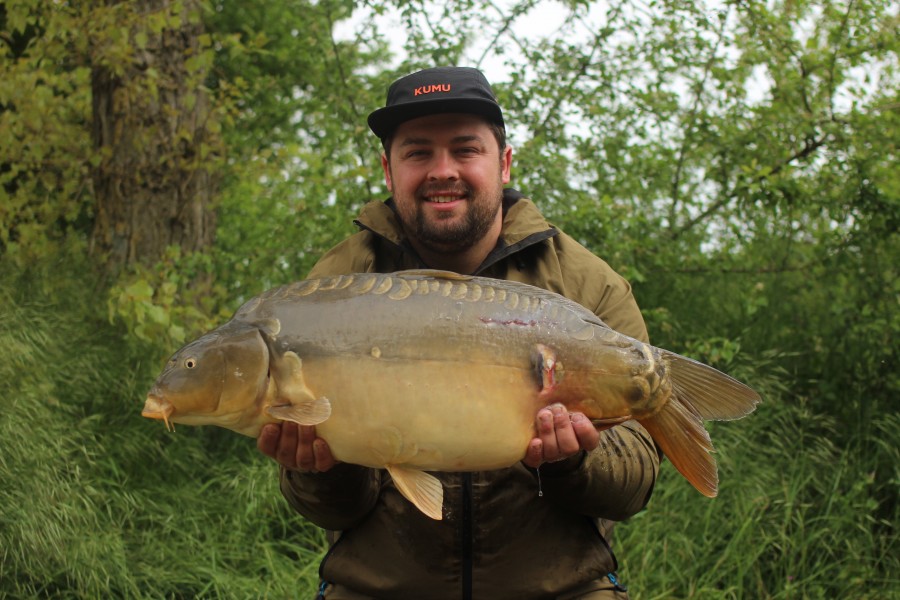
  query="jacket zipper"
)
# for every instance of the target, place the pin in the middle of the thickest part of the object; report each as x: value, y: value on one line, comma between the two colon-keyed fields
x: 466, y: 526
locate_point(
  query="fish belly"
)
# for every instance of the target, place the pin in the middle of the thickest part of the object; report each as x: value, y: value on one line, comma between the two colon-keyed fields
x: 426, y: 414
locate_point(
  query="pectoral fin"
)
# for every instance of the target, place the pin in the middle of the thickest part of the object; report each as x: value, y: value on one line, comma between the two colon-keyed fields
x: 313, y: 412
x: 420, y: 488
x: 294, y: 400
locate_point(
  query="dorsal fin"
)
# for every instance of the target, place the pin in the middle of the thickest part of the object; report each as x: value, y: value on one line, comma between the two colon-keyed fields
x: 437, y: 274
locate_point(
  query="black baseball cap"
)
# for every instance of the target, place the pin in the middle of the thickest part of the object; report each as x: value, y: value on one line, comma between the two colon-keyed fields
x: 432, y: 91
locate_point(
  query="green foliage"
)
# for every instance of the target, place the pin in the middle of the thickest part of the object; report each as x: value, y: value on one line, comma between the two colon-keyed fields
x: 45, y: 151
x: 795, y: 516
x: 98, y: 502
x: 169, y: 303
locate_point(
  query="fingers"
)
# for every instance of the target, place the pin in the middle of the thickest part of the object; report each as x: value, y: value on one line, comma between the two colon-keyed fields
x: 587, y: 435
x: 295, y: 447
x: 554, y: 429
x: 559, y: 435
x: 534, y: 455
x: 324, y: 459
x: 305, y: 456
x: 267, y: 442
x: 287, y: 450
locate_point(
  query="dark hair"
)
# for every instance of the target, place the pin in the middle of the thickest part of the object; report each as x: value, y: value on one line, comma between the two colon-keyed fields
x: 498, y: 130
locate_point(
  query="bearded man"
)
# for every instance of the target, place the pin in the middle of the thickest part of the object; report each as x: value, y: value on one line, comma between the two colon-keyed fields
x: 446, y: 163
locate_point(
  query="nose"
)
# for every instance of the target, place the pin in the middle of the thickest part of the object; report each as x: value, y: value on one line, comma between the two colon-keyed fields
x: 443, y: 167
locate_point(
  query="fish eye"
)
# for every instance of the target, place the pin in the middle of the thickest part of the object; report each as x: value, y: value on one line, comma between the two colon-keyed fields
x: 190, y: 363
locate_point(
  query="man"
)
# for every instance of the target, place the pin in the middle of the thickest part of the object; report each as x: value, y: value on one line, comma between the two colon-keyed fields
x: 535, y: 530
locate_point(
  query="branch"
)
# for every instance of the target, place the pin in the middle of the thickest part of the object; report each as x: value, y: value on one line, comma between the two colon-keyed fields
x: 773, y: 39
x: 692, y: 117
x: 360, y: 147
x: 834, y: 55
x: 809, y: 147
x: 604, y: 33
x: 772, y: 270
x: 507, y: 23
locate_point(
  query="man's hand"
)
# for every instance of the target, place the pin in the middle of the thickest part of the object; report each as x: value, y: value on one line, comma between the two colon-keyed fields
x: 295, y: 447
x: 560, y: 434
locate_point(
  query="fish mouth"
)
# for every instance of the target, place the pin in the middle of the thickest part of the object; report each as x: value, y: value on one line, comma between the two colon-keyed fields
x: 157, y: 408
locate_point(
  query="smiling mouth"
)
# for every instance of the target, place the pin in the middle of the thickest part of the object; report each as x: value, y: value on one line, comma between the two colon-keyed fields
x: 444, y: 192
x: 440, y: 199
x: 439, y: 196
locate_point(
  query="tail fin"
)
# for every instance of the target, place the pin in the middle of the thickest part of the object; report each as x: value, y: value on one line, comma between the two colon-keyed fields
x: 699, y: 392
x: 713, y: 394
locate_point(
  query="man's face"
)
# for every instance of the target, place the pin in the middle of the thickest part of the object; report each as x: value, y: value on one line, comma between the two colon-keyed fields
x: 446, y: 173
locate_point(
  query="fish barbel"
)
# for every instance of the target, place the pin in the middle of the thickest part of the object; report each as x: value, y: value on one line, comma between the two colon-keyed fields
x: 422, y: 371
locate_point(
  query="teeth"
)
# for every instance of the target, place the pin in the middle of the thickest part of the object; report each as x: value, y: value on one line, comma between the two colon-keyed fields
x: 442, y: 199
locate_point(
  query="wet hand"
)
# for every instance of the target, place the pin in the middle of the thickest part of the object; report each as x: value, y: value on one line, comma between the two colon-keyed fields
x: 559, y: 435
x: 295, y: 447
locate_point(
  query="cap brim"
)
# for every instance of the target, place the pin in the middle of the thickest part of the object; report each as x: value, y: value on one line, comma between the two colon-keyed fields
x: 385, y: 120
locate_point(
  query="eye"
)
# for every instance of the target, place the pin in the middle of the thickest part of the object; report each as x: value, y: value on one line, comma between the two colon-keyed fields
x: 190, y: 363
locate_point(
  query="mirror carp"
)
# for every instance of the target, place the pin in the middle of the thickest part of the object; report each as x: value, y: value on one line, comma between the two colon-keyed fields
x: 421, y: 371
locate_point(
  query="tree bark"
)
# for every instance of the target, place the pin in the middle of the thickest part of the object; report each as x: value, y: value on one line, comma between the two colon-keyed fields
x: 151, y: 115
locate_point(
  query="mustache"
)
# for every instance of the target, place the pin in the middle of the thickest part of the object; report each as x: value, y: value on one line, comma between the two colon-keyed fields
x: 444, y: 188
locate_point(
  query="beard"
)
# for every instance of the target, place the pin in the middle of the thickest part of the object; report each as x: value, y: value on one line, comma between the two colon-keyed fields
x: 450, y: 233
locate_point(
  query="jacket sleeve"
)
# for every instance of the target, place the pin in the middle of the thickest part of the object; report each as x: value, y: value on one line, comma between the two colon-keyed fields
x: 615, y: 480
x: 336, y: 499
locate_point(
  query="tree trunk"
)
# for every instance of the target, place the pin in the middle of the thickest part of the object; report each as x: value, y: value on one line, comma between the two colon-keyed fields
x: 151, y: 115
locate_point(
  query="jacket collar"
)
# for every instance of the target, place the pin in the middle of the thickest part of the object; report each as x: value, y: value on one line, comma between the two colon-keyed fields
x: 523, y: 226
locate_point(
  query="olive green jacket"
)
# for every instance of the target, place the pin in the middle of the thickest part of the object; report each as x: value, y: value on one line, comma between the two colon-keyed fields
x: 506, y: 533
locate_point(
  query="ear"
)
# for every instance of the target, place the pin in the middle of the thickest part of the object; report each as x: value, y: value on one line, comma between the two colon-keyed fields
x: 506, y: 164
x: 386, y: 166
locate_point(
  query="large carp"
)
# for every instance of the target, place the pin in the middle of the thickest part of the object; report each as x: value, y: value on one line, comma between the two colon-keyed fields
x: 431, y: 371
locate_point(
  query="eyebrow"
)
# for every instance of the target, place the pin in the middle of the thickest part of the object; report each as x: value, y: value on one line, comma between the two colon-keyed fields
x: 423, y: 141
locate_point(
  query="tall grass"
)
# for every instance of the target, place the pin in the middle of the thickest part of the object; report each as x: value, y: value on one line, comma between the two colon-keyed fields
x: 96, y: 501
x: 797, y: 516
